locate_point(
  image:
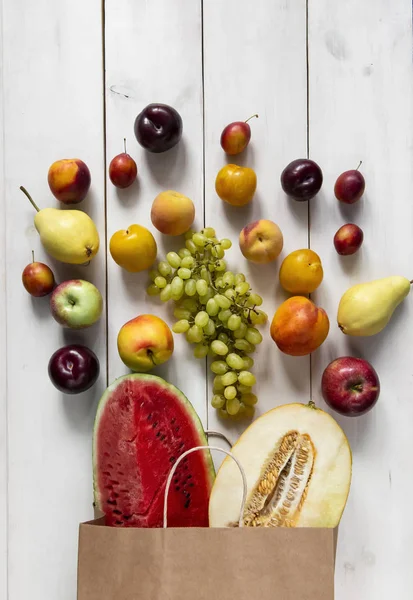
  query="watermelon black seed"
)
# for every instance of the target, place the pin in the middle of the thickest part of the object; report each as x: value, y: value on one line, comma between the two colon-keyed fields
x: 112, y: 502
x: 187, y: 503
x: 106, y: 473
x: 149, y: 417
x: 177, y: 488
x: 176, y: 481
x: 117, y: 512
x: 172, y: 459
x: 110, y: 466
x: 118, y: 522
x: 127, y: 517
x: 191, y: 485
x: 163, y: 437
x: 189, y: 477
x: 158, y: 434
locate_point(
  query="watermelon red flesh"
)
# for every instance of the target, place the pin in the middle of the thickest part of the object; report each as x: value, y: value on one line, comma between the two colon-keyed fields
x: 143, y: 424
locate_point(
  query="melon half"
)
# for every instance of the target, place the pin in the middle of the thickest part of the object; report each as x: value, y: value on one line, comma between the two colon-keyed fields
x: 143, y: 424
x: 298, y: 464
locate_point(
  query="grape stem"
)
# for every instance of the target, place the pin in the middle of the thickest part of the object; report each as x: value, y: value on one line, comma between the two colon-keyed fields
x: 251, y: 117
x: 360, y: 163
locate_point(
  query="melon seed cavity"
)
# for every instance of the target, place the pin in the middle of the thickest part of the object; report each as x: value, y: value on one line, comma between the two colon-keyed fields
x: 277, y: 498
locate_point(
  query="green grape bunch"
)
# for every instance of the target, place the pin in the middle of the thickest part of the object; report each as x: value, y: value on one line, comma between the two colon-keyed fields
x: 217, y: 311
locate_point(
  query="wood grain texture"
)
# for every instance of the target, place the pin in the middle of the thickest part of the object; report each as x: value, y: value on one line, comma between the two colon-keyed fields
x: 361, y: 108
x: 153, y: 54
x: 52, y: 108
x: 258, y: 65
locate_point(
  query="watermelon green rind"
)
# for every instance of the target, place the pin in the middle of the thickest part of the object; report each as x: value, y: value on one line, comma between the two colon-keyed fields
x: 203, y: 441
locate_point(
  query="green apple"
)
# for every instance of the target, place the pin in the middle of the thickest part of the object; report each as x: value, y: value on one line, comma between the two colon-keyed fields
x: 76, y: 304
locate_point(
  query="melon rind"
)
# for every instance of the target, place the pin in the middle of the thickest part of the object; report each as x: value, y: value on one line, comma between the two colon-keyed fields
x: 330, y: 481
x: 192, y: 414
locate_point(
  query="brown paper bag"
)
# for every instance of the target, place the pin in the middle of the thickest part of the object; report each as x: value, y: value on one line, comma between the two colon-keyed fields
x: 205, y: 564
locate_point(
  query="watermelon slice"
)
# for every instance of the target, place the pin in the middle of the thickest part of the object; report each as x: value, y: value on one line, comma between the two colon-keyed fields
x: 142, y: 425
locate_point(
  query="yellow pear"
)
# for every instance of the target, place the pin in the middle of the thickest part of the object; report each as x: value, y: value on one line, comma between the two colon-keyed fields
x: 366, y: 308
x: 68, y: 235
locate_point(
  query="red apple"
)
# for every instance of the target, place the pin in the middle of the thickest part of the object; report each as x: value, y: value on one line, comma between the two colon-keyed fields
x: 348, y: 239
x: 350, y: 186
x: 122, y: 170
x: 38, y: 279
x: 236, y: 136
x: 350, y: 386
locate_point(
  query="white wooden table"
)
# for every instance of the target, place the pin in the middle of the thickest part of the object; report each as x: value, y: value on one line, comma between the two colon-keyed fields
x: 329, y: 78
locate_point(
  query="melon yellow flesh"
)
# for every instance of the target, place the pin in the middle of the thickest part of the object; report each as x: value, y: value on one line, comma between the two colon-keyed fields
x: 297, y: 462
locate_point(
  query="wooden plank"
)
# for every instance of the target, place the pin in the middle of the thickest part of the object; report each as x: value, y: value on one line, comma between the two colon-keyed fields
x: 52, y: 109
x: 153, y: 54
x: 255, y: 62
x: 361, y: 108
x: 3, y: 361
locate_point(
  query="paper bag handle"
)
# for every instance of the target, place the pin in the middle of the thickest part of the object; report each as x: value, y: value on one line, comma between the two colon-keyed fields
x: 190, y: 451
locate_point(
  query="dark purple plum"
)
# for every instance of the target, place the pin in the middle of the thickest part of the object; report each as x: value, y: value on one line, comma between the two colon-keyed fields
x: 302, y: 179
x: 158, y: 127
x: 73, y: 369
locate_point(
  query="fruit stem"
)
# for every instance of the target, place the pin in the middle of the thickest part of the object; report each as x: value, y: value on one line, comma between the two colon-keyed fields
x: 32, y: 255
x: 252, y: 116
x: 311, y: 404
x: 411, y: 281
x: 33, y: 203
x: 360, y: 163
x: 124, y: 145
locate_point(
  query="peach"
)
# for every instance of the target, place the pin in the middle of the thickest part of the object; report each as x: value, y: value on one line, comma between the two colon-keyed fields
x: 299, y: 326
x: 261, y: 241
x: 145, y: 342
x: 69, y: 180
x: 172, y: 213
